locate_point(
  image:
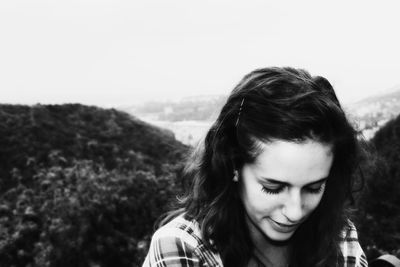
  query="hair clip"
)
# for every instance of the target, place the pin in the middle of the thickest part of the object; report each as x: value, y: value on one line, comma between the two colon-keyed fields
x: 240, y: 111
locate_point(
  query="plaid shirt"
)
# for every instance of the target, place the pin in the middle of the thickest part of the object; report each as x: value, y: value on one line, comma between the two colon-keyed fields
x: 179, y: 244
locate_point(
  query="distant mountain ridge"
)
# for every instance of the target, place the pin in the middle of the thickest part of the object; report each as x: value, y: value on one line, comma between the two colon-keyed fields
x: 373, y: 112
x: 190, y: 118
x: 194, y: 108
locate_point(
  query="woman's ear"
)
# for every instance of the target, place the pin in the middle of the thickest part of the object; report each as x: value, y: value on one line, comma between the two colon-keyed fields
x: 235, y: 176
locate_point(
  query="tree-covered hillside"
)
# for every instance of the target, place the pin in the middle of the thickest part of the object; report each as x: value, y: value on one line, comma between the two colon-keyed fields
x: 379, y: 205
x: 74, y: 132
x: 81, y: 186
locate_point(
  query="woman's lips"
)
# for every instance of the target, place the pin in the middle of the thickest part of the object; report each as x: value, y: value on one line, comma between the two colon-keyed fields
x: 283, y: 228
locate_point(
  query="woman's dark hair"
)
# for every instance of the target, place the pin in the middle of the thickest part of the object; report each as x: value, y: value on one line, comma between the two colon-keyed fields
x: 268, y: 104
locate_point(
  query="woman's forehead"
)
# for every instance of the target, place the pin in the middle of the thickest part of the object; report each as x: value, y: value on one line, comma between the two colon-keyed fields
x: 289, y: 161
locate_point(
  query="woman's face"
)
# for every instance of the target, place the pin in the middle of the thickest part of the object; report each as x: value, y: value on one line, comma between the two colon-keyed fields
x: 283, y: 186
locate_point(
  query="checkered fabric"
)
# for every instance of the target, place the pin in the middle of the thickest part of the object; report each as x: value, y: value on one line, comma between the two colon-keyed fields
x: 179, y: 244
x: 353, y: 255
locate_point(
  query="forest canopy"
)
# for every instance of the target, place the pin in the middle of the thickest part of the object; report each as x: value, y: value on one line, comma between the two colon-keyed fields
x: 81, y: 185
x: 379, y: 204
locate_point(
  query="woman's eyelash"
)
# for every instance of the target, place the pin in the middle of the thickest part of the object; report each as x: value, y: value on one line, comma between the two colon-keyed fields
x: 278, y: 190
x: 315, y: 190
x: 272, y: 191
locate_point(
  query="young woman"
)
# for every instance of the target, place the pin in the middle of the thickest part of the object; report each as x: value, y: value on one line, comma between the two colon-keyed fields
x: 270, y: 182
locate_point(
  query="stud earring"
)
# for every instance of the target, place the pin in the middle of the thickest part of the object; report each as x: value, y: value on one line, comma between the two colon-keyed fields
x: 235, y: 176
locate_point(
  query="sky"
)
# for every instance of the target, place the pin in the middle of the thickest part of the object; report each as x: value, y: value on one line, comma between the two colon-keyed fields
x: 113, y: 53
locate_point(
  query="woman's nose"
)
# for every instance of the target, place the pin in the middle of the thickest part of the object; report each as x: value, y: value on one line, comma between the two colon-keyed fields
x: 293, y: 206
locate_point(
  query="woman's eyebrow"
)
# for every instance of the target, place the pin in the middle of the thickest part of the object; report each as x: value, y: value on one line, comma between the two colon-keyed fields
x: 318, y: 181
x: 273, y: 181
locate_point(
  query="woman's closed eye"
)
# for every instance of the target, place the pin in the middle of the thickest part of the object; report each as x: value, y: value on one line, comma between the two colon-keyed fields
x: 273, y: 189
x: 313, y: 189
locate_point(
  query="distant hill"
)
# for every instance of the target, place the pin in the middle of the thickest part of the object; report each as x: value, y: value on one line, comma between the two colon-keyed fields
x: 373, y: 112
x: 190, y: 118
x: 198, y: 108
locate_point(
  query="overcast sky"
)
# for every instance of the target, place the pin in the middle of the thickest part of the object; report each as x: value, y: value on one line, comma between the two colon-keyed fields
x: 113, y: 52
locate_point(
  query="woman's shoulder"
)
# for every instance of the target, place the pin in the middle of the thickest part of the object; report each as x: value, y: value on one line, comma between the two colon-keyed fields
x: 182, y: 229
x: 179, y: 243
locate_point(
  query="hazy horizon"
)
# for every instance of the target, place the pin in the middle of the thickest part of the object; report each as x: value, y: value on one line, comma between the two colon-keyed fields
x: 114, y: 53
